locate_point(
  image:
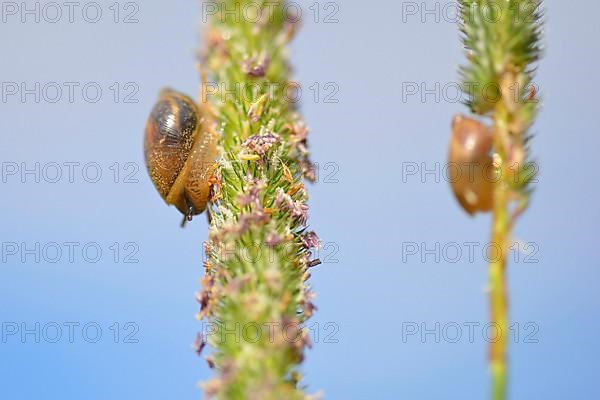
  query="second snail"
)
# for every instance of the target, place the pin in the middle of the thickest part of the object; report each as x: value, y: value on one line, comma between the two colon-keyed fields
x: 470, y: 155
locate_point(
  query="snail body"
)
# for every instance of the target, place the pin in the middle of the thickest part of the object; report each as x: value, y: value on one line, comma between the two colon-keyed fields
x: 470, y: 148
x: 179, y: 152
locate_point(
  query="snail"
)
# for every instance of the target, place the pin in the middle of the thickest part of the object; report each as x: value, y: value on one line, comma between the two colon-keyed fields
x: 180, y: 152
x: 470, y: 148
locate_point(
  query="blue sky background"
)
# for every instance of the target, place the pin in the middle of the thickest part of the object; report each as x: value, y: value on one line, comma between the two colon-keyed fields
x: 372, y: 291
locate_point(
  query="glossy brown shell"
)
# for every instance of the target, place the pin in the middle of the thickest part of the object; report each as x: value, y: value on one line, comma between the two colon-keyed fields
x: 179, y: 152
x: 470, y: 161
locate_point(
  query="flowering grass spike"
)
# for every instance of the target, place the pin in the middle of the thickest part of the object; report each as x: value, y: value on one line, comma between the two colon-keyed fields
x: 259, y: 248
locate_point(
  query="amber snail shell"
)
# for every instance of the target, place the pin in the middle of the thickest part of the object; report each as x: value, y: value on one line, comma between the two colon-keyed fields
x: 180, y: 152
x: 470, y: 148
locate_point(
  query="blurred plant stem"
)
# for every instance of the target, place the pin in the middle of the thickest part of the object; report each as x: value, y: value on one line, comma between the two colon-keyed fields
x: 502, y: 42
x: 259, y: 251
x: 497, y: 285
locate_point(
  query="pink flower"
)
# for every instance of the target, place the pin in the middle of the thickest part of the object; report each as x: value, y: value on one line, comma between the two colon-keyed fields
x: 261, y: 144
x: 256, y: 68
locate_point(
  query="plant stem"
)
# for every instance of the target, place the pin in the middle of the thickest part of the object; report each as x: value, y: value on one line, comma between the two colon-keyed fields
x: 502, y: 48
x: 501, y: 233
x: 498, y: 293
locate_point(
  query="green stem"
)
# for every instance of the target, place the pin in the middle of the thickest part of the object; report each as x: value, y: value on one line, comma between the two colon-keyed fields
x: 501, y: 227
x: 499, y: 296
x: 502, y: 49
